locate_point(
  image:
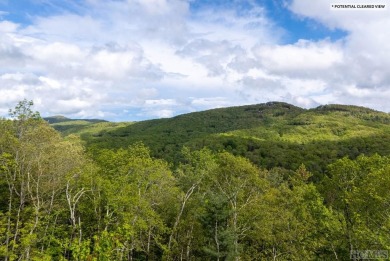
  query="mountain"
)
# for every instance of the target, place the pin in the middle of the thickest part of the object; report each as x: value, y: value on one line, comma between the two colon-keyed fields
x: 78, y: 126
x: 60, y: 118
x: 273, y: 134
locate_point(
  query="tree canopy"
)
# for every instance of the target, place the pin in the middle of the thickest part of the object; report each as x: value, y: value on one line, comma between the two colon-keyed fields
x: 63, y: 199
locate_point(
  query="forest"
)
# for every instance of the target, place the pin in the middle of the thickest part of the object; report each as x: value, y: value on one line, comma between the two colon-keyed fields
x: 262, y: 182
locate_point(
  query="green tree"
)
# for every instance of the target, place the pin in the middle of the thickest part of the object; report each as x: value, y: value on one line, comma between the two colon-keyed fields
x: 138, y: 195
x: 230, y: 190
x: 192, y: 176
x: 35, y: 166
x: 358, y: 191
x: 292, y: 221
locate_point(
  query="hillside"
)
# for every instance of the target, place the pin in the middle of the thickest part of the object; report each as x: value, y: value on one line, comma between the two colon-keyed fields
x: 183, y: 128
x: 60, y: 118
x: 271, y: 135
x: 60, y: 201
x: 80, y: 126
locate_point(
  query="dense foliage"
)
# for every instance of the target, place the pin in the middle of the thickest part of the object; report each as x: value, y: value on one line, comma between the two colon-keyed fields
x: 269, y: 135
x: 60, y: 201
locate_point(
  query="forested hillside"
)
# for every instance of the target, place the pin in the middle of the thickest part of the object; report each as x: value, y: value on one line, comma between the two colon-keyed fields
x: 269, y: 135
x: 261, y: 182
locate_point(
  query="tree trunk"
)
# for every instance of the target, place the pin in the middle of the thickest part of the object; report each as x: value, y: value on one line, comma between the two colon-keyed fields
x: 175, y: 225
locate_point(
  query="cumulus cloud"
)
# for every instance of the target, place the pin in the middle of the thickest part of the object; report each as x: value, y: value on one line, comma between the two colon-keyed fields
x: 302, y: 58
x: 348, y: 19
x: 360, y: 71
x: 215, y: 56
x: 7, y: 26
x: 351, y: 70
x: 139, y: 59
x: 109, y: 52
x: 209, y: 103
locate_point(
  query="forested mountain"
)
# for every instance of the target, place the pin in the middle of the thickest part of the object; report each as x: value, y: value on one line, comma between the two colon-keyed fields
x: 260, y: 182
x: 270, y: 135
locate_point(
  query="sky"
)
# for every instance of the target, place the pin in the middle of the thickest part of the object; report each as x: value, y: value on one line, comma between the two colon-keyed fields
x: 132, y: 60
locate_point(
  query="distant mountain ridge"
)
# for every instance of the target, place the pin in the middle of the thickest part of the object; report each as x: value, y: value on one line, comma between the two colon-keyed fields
x: 60, y: 118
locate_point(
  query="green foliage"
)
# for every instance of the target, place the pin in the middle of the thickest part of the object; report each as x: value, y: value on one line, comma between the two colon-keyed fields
x: 270, y: 135
x: 209, y: 200
x: 137, y: 189
x: 167, y: 136
x: 84, y: 127
x: 359, y: 191
x: 23, y: 111
x: 35, y: 166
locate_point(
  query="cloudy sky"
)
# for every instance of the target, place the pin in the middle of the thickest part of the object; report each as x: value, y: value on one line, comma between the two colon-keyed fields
x: 125, y: 60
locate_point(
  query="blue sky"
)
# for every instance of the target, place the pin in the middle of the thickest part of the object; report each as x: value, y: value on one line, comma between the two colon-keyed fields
x: 126, y: 60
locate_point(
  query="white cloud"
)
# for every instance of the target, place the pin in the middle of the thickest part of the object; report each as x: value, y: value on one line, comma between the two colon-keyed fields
x: 66, y: 27
x: 119, y: 49
x: 302, y: 58
x: 209, y: 103
x: 160, y: 102
x: 366, y: 55
x: 154, y: 7
x: 244, y: 27
x: 49, y: 84
x: 158, y: 113
x: 215, y: 56
x: 7, y: 26
x: 158, y: 108
x: 348, y: 19
x: 147, y: 93
x: 9, y: 96
x: 72, y: 106
x: 157, y: 58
